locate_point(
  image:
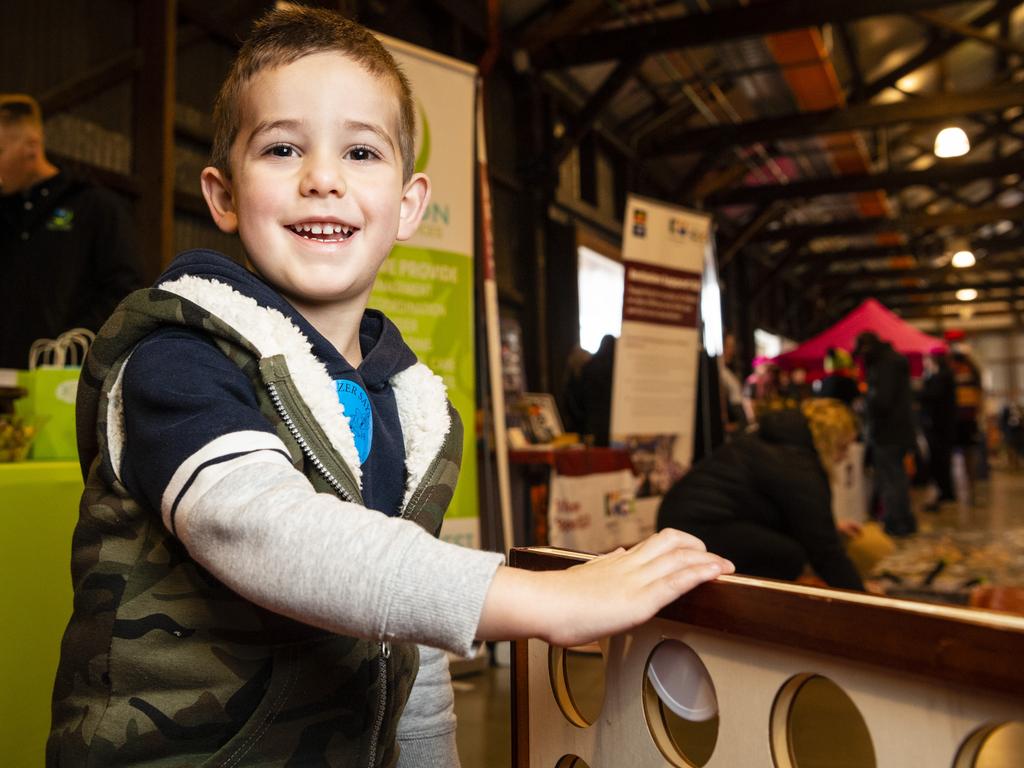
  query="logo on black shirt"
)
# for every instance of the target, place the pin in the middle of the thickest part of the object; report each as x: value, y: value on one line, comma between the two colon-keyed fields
x: 61, y: 220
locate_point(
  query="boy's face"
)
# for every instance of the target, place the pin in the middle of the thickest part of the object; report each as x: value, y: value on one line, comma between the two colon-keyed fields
x: 316, y: 190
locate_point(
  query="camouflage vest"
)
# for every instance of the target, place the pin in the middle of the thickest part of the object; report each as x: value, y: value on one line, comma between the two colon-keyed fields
x: 161, y: 664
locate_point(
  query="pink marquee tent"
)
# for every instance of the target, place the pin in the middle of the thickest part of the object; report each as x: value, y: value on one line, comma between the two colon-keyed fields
x: 869, y: 316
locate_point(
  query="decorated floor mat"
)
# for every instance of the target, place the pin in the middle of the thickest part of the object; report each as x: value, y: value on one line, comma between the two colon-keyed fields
x: 945, y: 566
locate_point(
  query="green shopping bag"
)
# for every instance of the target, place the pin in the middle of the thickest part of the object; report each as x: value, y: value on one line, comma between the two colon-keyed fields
x: 52, y: 385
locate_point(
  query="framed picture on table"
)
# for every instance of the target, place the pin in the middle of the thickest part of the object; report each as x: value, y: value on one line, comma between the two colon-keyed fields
x: 540, y: 418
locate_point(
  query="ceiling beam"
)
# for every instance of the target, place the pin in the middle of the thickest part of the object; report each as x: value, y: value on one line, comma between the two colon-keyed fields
x: 970, y: 31
x: 1008, y: 244
x: 995, y: 129
x: 919, y: 290
x: 767, y: 212
x: 923, y: 302
x: 952, y: 311
x: 990, y: 264
x: 956, y: 173
x: 925, y: 109
x: 940, y: 46
x: 961, y: 219
x: 555, y: 20
x: 595, y: 105
x: 853, y: 60
x: 77, y: 89
x: 870, y: 253
x: 706, y: 29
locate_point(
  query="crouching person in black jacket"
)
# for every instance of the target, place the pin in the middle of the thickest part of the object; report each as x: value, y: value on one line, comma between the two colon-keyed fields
x: 764, y: 500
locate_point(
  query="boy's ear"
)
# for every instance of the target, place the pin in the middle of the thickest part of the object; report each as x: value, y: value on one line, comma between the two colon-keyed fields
x: 415, y: 197
x: 217, y: 191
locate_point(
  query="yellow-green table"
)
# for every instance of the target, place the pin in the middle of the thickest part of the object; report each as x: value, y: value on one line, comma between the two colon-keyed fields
x: 38, y: 511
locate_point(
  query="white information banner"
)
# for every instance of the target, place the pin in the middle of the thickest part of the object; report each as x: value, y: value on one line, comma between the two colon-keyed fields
x: 654, y: 385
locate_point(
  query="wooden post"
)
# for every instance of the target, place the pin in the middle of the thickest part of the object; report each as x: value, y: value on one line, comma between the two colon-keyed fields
x: 153, y: 132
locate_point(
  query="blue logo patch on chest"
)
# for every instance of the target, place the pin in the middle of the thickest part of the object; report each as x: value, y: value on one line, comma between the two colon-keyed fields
x: 356, y: 402
x: 61, y: 221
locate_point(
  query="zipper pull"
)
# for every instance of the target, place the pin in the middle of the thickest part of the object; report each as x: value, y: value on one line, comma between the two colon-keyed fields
x: 385, y: 649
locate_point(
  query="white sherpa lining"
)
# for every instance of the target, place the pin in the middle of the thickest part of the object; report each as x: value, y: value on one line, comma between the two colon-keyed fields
x: 423, y: 410
x: 115, y: 421
x: 420, y: 395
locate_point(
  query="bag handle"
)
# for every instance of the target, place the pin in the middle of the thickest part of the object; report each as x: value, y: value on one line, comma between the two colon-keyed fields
x: 70, y: 348
x: 73, y: 342
x: 42, y: 352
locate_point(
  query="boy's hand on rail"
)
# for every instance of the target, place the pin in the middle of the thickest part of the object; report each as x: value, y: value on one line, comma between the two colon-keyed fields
x: 603, y: 597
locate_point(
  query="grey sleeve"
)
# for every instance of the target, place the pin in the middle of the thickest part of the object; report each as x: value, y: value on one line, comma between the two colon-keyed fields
x: 426, y: 732
x: 257, y: 524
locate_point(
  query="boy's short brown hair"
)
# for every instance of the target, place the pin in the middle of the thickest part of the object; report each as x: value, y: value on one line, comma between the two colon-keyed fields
x: 19, y: 107
x: 289, y: 33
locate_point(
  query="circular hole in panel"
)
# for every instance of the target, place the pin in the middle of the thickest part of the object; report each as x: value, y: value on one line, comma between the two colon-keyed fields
x: 816, y: 725
x: 571, y: 761
x: 998, y: 746
x: 577, y: 682
x: 680, y: 704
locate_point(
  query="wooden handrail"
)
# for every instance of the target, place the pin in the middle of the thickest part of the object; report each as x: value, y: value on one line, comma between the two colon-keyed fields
x: 968, y: 646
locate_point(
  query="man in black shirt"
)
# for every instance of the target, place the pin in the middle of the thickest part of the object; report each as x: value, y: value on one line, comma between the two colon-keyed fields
x: 67, y: 247
x: 890, y: 428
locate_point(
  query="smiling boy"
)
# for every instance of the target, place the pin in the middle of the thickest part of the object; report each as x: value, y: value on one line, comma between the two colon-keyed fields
x: 268, y: 465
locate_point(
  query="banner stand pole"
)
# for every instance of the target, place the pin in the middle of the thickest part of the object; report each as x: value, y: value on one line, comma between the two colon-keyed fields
x: 493, y: 334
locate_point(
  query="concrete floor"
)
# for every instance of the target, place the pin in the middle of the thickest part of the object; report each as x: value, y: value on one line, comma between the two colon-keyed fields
x: 483, y: 706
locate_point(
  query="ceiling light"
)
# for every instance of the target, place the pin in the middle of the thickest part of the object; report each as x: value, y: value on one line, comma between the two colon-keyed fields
x: 952, y: 142
x: 908, y: 83
x: 967, y: 294
x: 963, y: 259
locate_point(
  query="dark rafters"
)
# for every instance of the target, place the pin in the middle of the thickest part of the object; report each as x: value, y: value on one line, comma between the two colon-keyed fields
x: 695, y: 30
x: 924, y: 109
x: 942, y: 172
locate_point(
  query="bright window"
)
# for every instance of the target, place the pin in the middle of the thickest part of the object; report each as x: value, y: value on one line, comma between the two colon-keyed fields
x: 601, y: 282
x: 770, y: 345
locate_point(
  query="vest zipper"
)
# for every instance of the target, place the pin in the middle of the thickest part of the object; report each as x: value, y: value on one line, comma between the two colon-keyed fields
x: 385, y: 645
x: 305, y: 447
x: 382, y: 668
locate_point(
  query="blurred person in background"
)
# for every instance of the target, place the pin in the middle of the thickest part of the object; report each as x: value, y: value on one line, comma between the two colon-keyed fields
x: 573, y: 396
x: 69, y: 249
x: 840, y: 379
x: 796, y: 386
x: 595, y: 385
x: 938, y: 422
x: 969, y: 440
x: 764, y: 499
x: 764, y: 391
x: 888, y: 421
x: 734, y: 419
x: 1011, y: 426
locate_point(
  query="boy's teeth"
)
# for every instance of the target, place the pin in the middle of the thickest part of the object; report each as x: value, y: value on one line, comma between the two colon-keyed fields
x: 323, y: 229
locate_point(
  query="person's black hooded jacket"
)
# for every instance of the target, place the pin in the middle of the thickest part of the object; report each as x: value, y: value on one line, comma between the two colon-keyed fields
x: 772, y: 478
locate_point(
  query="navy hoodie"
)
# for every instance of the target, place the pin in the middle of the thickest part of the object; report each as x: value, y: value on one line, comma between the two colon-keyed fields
x: 181, y: 392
